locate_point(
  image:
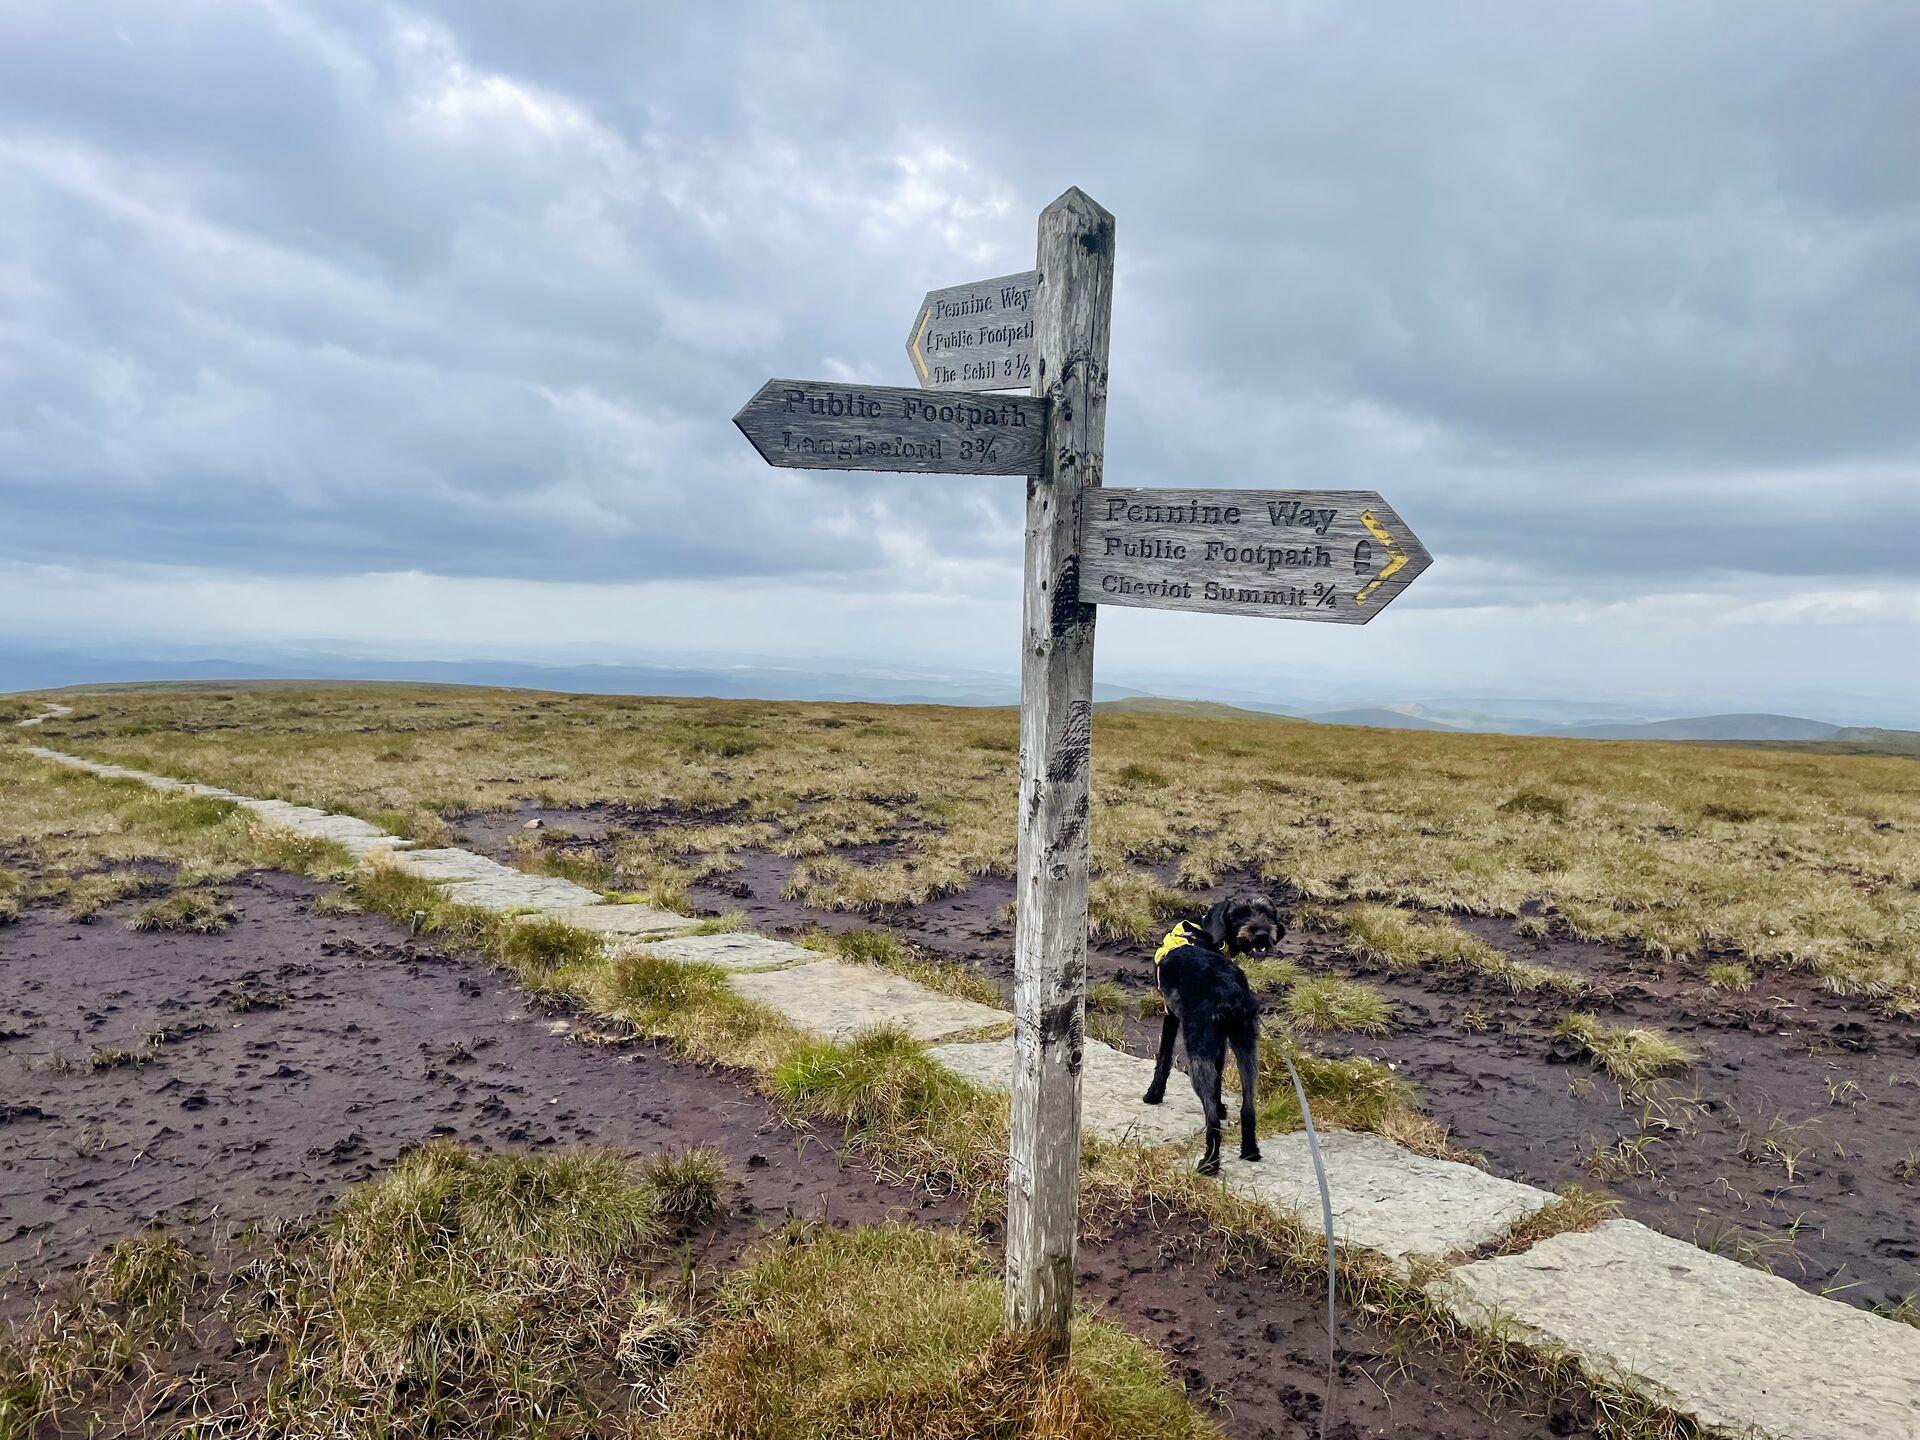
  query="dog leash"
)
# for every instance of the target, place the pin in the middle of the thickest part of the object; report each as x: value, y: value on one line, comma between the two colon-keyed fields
x: 1326, y: 1216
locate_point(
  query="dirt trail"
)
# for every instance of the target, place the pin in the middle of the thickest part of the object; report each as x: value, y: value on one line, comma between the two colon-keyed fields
x: 1785, y: 1145
x: 304, y: 1052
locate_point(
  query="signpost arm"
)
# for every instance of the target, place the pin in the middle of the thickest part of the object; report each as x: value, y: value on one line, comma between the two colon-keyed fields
x: 1073, y: 309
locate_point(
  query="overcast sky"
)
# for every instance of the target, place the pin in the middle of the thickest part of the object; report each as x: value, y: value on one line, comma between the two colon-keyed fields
x: 423, y: 324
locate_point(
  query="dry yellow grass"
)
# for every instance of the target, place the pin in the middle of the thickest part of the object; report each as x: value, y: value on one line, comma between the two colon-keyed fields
x: 1787, y: 858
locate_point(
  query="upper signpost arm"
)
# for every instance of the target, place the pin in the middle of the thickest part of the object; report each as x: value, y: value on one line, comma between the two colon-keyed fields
x: 1073, y: 309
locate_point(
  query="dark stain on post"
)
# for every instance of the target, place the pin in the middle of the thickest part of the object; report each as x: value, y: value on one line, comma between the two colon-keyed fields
x: 1070, y: 756
x: 1067, y: 609
x: 1097, y: 241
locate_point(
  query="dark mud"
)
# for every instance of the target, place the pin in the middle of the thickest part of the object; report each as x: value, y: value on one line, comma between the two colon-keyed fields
x: 304, y: 1052
x: 1784, y: 1146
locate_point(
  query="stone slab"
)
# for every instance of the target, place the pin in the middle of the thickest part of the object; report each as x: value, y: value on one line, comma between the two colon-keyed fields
x: 837, y: 1001
x: 616, y: 922
x: 472, y: 879
x: 736, y: 950
x: 1111, y: 1084
x: 1385, y: 1198
x: 1737, y: 1349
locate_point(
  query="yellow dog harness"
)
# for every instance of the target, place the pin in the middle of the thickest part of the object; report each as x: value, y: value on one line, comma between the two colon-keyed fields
x: 1185, y: 933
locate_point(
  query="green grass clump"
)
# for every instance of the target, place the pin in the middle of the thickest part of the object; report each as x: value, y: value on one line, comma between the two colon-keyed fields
x: 880, y: 1078
x: 1730, y: 975
x: 1332, y: 1002
x: 1393, y: 937
x: 892, y: 1332
x: 129, y: 1300
x: 461, y: 1294
x: 193, y: 912
x: 1631, y: 1055
x: 1129, y: 905
x: 1271, y: 976
x: 688, y: 1182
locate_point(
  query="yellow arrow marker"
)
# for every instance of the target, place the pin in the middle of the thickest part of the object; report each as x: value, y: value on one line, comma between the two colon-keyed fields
x: 1379, y: 532
x: 919, y: 334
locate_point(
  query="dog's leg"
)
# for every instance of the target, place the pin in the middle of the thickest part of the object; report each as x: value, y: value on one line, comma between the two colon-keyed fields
x: 1205, y: 1073
x: 1163, y: 1062
x: 1246, y: 1059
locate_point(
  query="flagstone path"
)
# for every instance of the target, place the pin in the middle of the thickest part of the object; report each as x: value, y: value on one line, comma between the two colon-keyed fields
x: 1739, y: 1350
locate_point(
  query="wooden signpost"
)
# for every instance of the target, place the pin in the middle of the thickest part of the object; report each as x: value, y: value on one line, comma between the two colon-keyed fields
x: 978, y: 336
x: 1336, y: 555
x: 1330, y: 555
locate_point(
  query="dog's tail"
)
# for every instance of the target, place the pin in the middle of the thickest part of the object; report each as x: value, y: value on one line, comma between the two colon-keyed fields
x: 1326, y: 1216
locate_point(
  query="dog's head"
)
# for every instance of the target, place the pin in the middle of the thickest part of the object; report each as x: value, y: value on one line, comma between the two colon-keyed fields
x: 1245, y: 925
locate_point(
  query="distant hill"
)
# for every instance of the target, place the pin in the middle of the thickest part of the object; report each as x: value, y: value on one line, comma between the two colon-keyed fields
x: 1709, y: 727
x: 1377, y: 717
x: 1161, y: 705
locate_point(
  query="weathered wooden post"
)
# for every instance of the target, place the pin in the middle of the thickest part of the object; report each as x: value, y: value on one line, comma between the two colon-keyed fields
x: 1337, y: 556
x: 1073, y: 308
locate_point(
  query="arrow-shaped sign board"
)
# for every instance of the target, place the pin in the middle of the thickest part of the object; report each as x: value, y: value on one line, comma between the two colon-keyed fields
x: 825, y: 425
x: 976, y: 337
x: 1336, y: 555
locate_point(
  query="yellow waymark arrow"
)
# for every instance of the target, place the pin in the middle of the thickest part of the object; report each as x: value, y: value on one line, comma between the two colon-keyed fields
x: 1392, y: 546
x: 919, y: 334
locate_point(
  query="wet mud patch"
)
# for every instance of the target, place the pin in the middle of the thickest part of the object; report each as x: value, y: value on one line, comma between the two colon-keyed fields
x: 255, y: 1073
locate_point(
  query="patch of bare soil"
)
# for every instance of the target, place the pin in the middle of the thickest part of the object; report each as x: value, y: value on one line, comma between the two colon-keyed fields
x: 302, y: 1052
x: 1787, y: 1145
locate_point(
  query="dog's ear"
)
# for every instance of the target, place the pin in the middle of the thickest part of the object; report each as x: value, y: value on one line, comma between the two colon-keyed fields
x: 1281, y: 919
x: 1215, y: 924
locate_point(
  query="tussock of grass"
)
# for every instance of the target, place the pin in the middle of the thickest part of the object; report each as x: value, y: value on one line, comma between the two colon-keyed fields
x: 1271, y: 976
x: 1354, y: 1093
x: 688, y: 1183
x: 1730, y: 975
x: 880, y: 1078
x: 1391, y: 936
x: 196, y: 912
x: 1332, y: 1002
x: 130, y: 1298
x: 1130, y: 905
x: 1632, y: 1056
x: 459, y: 1295
x: 728, y: 924
x: 892, y: 1332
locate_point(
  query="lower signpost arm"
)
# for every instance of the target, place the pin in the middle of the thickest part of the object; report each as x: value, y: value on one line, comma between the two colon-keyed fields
x: 1056, y: 723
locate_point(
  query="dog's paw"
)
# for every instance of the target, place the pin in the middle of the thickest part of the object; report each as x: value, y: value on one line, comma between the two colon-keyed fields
x: 1251, y: 1153
x: 1209, y: 1165
x: 1153, y: 1097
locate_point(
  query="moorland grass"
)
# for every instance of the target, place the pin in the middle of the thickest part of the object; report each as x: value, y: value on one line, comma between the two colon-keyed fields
x: 1632, y: 1055
x: 892, y: 1332
x: 1784, y: 858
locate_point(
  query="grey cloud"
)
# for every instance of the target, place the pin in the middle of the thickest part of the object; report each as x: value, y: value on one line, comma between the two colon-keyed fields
x: 473, y: 288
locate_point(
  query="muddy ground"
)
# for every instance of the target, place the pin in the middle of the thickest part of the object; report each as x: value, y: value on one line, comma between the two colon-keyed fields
x: 301, y: 1052
x: 1783, y: 1147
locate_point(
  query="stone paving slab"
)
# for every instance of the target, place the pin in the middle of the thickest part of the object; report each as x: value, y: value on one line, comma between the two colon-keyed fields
x: 1111, y: 1084
x: 616, y: 922
x: 1384, y: 1197
x: 838, y: 1000
x: 472, y: 879
x: 1735, y: 1348
x: 737, y: 950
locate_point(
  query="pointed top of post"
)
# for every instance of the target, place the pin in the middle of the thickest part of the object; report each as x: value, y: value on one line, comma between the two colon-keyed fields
x: 1076, y: 201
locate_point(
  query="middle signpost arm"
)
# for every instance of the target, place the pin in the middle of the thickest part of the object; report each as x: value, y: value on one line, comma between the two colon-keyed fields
x: 1073, y: 309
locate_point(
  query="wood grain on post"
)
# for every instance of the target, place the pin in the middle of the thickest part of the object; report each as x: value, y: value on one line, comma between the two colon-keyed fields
x: 1072, y: 313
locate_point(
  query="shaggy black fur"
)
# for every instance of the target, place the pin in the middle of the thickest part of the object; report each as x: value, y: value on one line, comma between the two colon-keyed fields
x: 1211, y: 1006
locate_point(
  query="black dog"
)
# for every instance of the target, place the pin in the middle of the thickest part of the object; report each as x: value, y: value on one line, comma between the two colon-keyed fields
x: 1211, y: 1005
